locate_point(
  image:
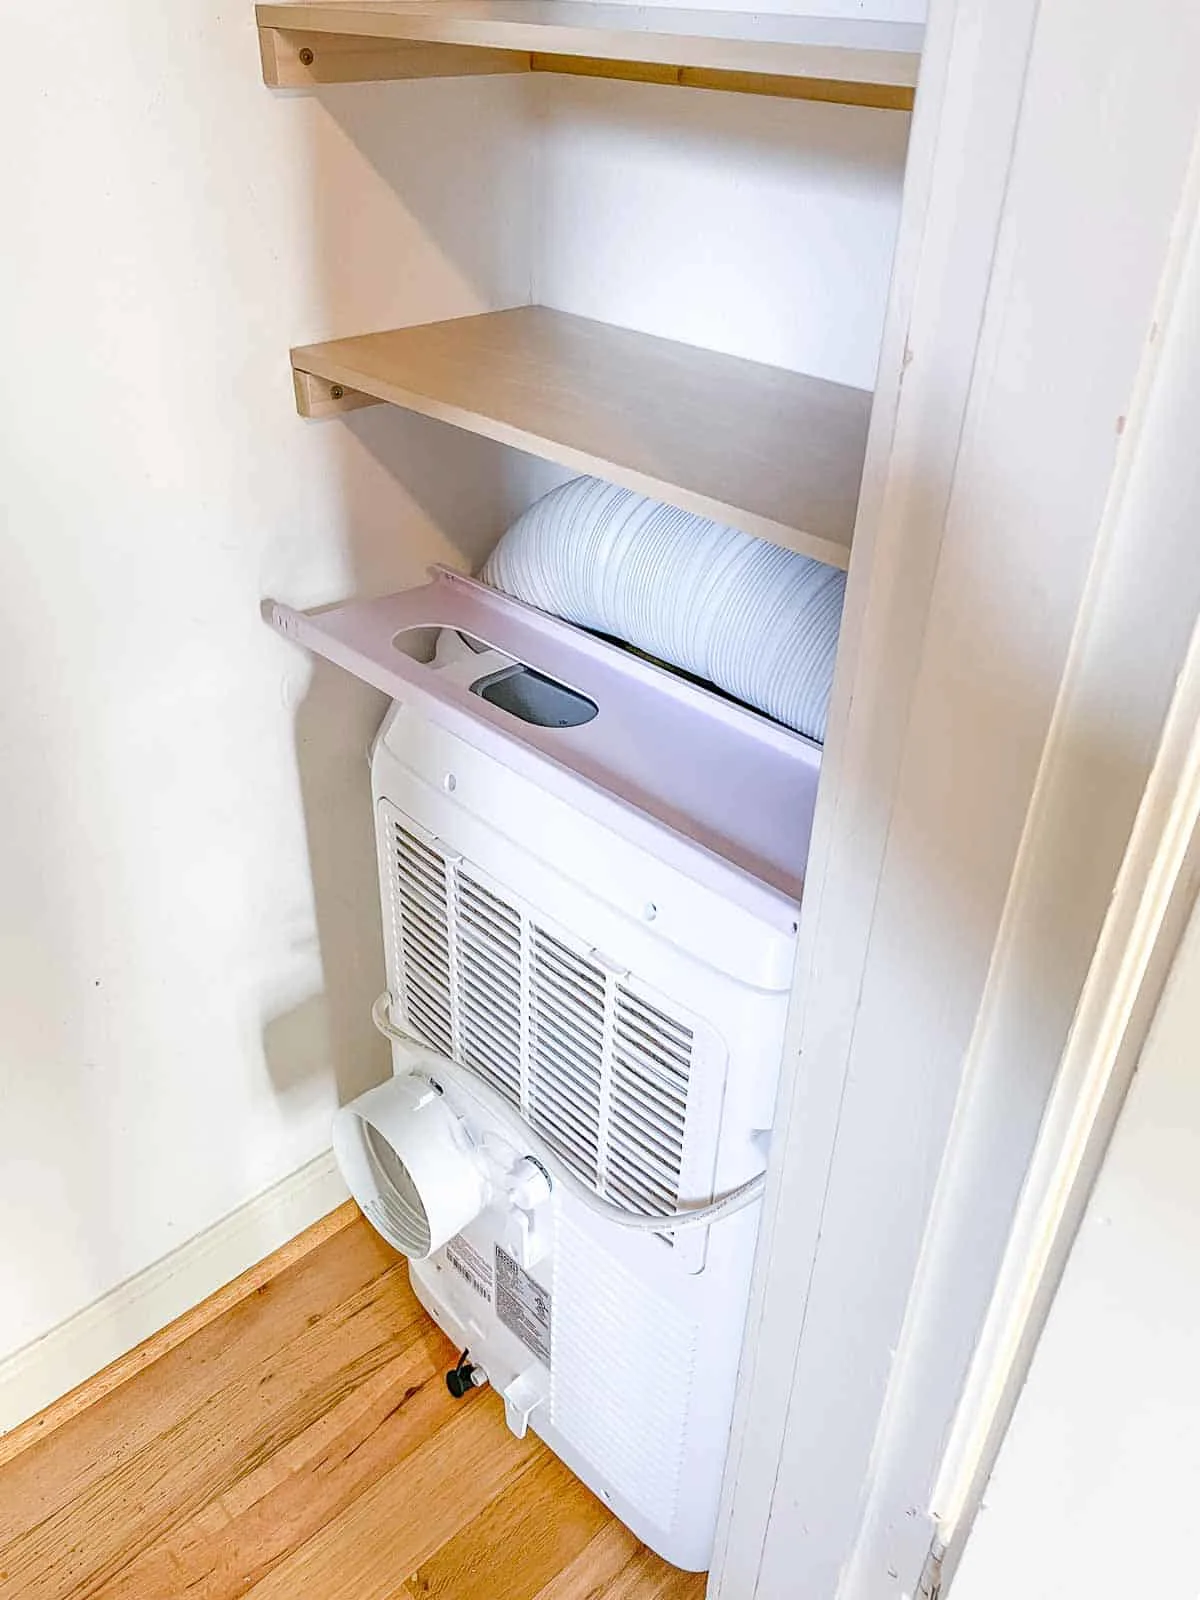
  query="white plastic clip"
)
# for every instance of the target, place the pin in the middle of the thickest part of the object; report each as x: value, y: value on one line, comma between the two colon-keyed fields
x: 523, y: 1396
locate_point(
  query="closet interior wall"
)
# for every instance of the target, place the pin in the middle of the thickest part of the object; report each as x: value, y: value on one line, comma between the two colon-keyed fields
x: 189, y: 918
x: 757, y: 227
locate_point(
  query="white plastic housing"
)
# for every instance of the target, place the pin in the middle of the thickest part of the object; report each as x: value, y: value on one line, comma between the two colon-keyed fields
x: 628, y: 996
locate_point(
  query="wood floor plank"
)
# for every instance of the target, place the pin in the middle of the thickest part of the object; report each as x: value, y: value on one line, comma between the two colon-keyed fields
x: 146, y: 1493
x: 370, y: 1551
x: 38, y: 1428
x: 518, y: 1542
x: 617, y: 1566
x: 595, y: 1567
x: 647, y: 1577
x: 235, y: 1539
x: 50, y: 1474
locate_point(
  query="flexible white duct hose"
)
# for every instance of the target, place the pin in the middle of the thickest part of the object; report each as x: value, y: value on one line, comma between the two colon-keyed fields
x: 758, y: 621
x: 532, y: 1144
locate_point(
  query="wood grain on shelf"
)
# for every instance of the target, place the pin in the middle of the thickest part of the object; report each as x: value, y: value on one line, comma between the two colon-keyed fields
x: 774, y: 453
x: 302, y: 1441
x: 858, y: 62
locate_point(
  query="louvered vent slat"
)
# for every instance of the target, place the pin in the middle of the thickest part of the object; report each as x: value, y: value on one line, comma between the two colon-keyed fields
x: 489, y: 986
x: 478, y: 935
x: 419, y: 903
x: 500, y: 1034
x: 484, y: 909
x: 668, y: 1119
x: 420, y: 863
x: 661, y: 1150
x: 650, y: 1068
x: 503, y: 944
x: 570, y: 1121
x: 578, y: 1055
x: 667, y: 1062
x: 641, y: 1030
x: 555, y: 957
x: 566, y: 1051
x: 651, y: 1081
x: 646, y: 1195
x: 486, y: 1019
x: 425, y: 886
x: 563, y: 1066
x: 492, y: 1067
x: 567, y: 983
x: 576, y: 1010
x: 561, y: 1134
x: 427, y: 942
x: 493, y: 989
x: 429, y: 1023
x: 652, y: 1162
x: 657, y: 1023
x: 578, y: 1092
x: 427, y: 1017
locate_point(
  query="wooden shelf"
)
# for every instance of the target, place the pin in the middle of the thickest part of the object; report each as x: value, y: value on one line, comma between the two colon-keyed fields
x: 772, y: 452
x: 813, y: 58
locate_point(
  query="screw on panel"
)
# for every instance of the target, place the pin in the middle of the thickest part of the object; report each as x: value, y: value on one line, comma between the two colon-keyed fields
x: 336, y: 391
x: 306, y: 57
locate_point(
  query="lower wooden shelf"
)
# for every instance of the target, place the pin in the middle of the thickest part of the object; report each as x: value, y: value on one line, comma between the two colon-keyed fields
x: 774, y: 453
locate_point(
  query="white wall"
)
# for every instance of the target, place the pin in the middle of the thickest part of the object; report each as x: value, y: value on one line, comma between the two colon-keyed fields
x: 763, y: 228
x: 188, y: 922
x: 1096, y: 1486
x: 188, y: 917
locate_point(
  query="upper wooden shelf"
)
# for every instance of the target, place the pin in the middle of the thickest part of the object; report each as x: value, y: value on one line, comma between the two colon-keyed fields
x: 772, y: 452
x: 813, y: 58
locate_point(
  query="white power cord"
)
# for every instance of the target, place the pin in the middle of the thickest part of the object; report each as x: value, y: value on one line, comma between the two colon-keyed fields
x: 668, y: 1222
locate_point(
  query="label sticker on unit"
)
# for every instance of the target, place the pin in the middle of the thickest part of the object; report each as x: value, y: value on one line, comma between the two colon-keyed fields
x: 470, y: 1264
x: 522, y: 1305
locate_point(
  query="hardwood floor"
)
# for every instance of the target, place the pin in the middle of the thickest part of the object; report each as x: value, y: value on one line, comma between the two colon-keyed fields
x: 303, y: 1445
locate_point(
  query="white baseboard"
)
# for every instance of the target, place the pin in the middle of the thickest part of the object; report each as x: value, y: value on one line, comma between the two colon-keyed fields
x: 83, y: 1345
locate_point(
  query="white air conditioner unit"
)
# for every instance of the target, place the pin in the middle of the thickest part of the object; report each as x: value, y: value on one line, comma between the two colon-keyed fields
x: 590, y: 928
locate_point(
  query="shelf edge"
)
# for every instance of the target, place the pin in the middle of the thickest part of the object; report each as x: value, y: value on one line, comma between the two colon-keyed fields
x: 360, y: 389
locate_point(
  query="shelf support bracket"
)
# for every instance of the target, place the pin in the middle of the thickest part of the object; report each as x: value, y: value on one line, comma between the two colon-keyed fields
x: 292, y: 59
x: 318, y: 397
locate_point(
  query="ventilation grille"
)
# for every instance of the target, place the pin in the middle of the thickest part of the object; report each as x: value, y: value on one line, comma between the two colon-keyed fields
x: 599, y: 1071
x: 488, y: 989
x: 419, y: 904
x: 651, y: 1059
x: 566, y: 1049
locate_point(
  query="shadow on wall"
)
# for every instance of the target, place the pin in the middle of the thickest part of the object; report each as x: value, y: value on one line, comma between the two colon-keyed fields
x: 410, y: 491
x: 455, y: 482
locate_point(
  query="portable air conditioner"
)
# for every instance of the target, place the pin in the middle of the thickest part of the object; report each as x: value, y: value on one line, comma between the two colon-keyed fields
x: 590, y: 874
